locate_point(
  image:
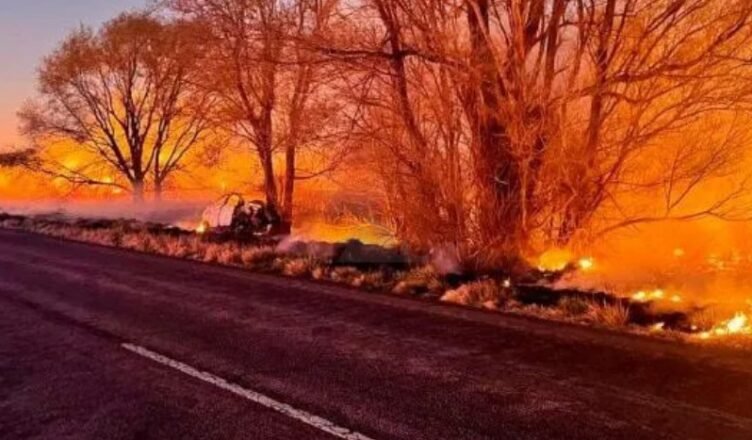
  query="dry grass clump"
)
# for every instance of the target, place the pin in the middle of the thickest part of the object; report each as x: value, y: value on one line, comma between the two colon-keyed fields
x: 137, y: 242
x: 258, y: 256
x: 373, y: 280
x: 208, y: 253
x: 222, y: 253
x: 609, y: 314
x: 320, y: 272
x: 182, y: 247
x: 299, y: 267
x: 705, y: 319
x: 489, y: 294
x: 344, y: 274
x: 423, y: 279
x: 573, y: 306
x: 352, y: 276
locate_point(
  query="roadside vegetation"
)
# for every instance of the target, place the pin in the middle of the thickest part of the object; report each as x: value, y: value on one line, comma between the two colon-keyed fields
x: 347, y: 264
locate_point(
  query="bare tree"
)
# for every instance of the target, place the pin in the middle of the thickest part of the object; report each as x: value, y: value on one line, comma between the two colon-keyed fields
x: 123, y: 97
x: 566, y: 108
x: 268, y: 80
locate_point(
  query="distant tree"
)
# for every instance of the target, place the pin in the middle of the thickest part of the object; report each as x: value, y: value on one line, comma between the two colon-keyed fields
x: 123, y: 96
x: 18, y: 158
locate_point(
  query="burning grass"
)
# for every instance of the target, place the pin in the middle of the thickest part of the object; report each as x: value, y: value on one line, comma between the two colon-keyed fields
x: 653, y: 311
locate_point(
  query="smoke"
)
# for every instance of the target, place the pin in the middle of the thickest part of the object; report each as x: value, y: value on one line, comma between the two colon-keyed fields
x: 446, y: 260
x: 177, y: 213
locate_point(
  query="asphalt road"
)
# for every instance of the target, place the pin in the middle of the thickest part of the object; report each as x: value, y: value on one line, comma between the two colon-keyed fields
x: 98, y: 343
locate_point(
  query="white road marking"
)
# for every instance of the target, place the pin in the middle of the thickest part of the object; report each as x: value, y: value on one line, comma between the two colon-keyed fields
x: 302, y: 416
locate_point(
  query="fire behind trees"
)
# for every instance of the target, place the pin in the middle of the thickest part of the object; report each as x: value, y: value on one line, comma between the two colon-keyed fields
x: 498, y: 127
x: 126, y: 96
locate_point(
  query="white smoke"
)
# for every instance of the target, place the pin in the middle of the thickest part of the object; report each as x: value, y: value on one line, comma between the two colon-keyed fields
x: 169, y: 212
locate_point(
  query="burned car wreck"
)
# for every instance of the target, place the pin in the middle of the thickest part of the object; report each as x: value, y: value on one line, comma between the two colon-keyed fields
x: 237, y: 218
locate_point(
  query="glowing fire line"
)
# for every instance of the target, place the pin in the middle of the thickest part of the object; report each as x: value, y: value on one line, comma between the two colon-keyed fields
x: 738, y: 325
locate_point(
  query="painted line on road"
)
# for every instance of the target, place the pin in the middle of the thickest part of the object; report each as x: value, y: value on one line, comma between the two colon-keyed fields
x: 302, y: 416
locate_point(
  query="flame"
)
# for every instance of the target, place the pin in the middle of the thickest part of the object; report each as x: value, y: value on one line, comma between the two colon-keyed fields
x: 554, y: 260
x: 201, y: 228
x: 658, y: 327
x: 653, y: 295
x: 738, y: 325
x: 586, y: 263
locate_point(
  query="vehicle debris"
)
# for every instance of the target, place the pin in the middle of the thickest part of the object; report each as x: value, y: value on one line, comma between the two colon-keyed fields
x: 232, y: 214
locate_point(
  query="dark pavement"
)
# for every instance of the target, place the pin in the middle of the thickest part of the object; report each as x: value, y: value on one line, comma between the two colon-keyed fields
x: 383, y: 366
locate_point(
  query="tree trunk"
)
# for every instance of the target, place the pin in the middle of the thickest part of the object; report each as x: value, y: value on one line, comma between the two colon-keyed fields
x: 289, y: 196
x: 496, y: 168
x: 265, y: 132
x: 270, y: 183
x: 266, y: 157
x: 138, y: 191
x: 158, y: 189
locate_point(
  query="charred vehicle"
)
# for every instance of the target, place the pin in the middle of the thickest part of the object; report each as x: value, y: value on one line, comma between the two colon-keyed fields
x: 233, y: 215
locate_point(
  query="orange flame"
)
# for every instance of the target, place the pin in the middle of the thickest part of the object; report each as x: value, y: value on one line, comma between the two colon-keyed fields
x: 738, y: 325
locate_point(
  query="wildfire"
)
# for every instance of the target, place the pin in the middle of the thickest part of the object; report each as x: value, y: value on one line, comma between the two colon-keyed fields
x: 555, y: 260
x: 658, y: 327
x: 738, y: 325
x: 653, y: 295
x: 586, y: 263
x: 201, y: 228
